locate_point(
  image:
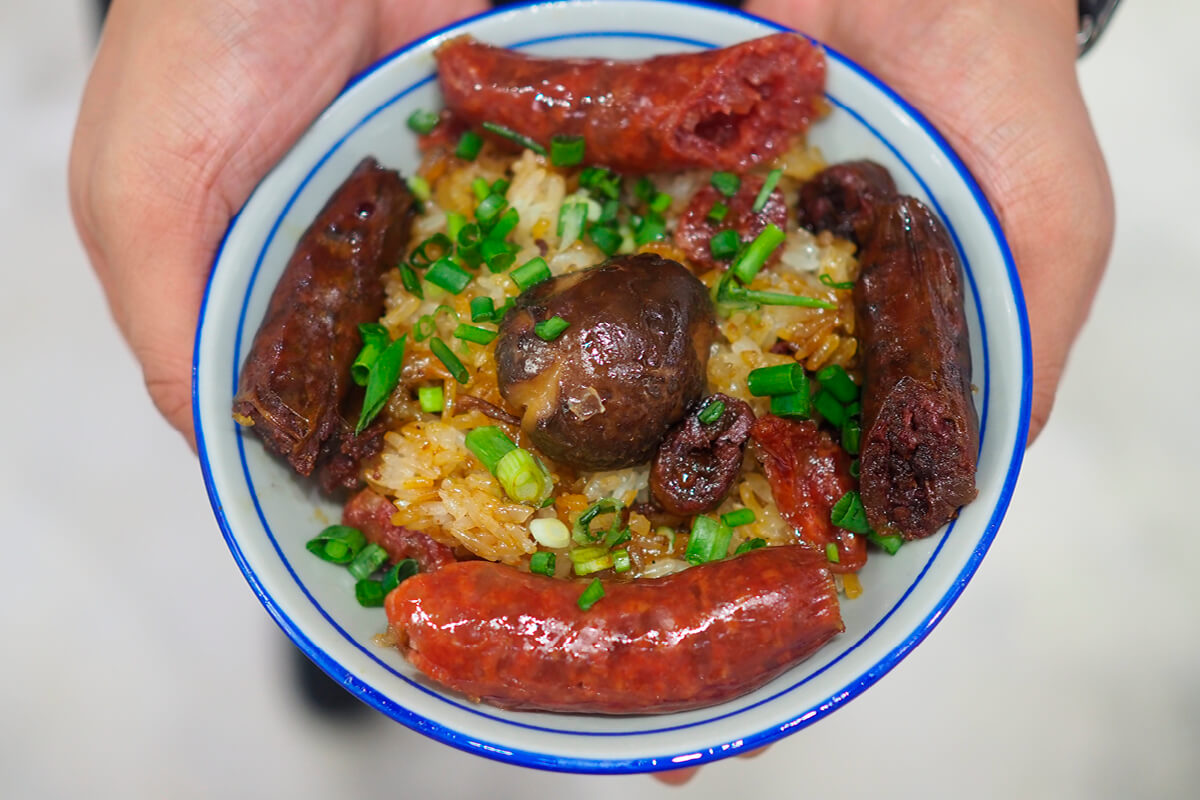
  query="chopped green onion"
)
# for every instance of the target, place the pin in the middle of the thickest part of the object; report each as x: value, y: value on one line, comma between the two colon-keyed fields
x: 338, y: 544
x: 422, y: 121
x: 825, y: 278
x: 726, y: 183
x: 711, y: 412
x: 375, y: 339
x: 474, y: 334
x: 531, y: 273
x: 601, y: 180
x: 743, y: 516
x: 410, y: 281
x: 724, y: 245
x: 853, y: 409
x: 661, y: 202
x: 582, y: 555
x: 550, y: 329
x: 738, y: 293
x: 837, y: 382
x: 542, y: 563
x: 607, y: 239
x: 454, y: 225
x: 587, y: 567
x: 709, y: 540
x: 523, y: 477
x: 550, y: 532
x: 369, y: 593
x: 385, y: 374
x: 488, y: 210
x: 591, y: 595
x: 501, y: 186
x: 489, y: 444
x: 571, y: 217
x: 755, y: 256
x: 831, y: 553
x: 483, y: 309
x: 401, y: 571
x: 794, y: 404
x: 644, y: 189
x: 717, y: 213
x: 855, y: 468
x: 764, y: 194
x: 616, y: 536
x: 431, y: 398
x: 566, y: 151
x: 608, y: 212
x: 469, y: 146
x: 651, y: 228
x: 848, y: 513
x: 511, y: 135
x: 449, y: 276
x: 747, y: 546
x: 369, y: 559
x: 419, y: 187
x: 469, y: 236
x: 888, y: 543
x: 427, y: 323
x: 851, y: 436
x: 667, y: 533
x: 828, y: 407
x: 582, y: 533
x: 420, y: 255
x: 779, y: 379
x: 498, y: 255
x: 450, y: 360
x: 621, y: 561
x: 481, y: 188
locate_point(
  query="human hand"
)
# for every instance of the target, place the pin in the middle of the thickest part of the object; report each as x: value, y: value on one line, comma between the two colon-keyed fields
x: 189, y: 104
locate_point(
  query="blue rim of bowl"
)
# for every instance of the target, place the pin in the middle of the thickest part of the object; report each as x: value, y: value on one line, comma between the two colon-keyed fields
x: 715, y: 752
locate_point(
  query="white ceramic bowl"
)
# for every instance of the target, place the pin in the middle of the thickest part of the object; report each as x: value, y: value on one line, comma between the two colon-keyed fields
x: 267, y: 514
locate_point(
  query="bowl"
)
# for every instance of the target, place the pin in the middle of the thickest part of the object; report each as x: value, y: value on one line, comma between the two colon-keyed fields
x: 266, y: 513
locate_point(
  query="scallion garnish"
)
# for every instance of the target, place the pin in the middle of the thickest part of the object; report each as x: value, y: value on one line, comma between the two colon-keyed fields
x: 764, y: 194
x: 431, y: 398
x: 832, y: 284
x: 607, y: 239
x: 474, y: 334
x: 651, y: 228
x: 419, y: 187
x: 483, y: 309
x: 621, y: 561
x: 709, y: 540
x: 591, y: 595
x: 848, y: 513
x: 793, y: 404
x: 834, y: 379
x: 744, y: 295
x: 571, y: 217
x: 440, y: 242
x: 550, y: 329
x: 755, y: 256
x: 450, y: 360
x: 481, y: 188
x: 338, y: 544
x: 601, y: 181
x: 831, y: 554
x: 717, y: 213
x: 375, y: 339
x: 410, y: 281
x: 566, y: 151
x: 504, y: 226
x: 711, y: 412
x: 724, y: 245
x: 469, y: 146
x: 590, y: 559
x: 779, y: 379
x: 514, y: 136
x: 369, y: 559
x: 660, y: 203
x: 454, y: 225
x: 399, y: 572
x: 489, y: 444
x: 742, y: 516
x: 384, y: 375
x: 369, y: 593
x: 726, y: 183
x: 488, y: 210
x: 531, y: 273
x: 422, y: 121
x: 523, y: 477
x: 644, y: 189
x: 542, y: 563
x: 608, y: 212
x: 449, y: 276
x: 581, y: 532
x: 500, y: 186
x: 855, y: 468
x: 747, y: 546
x: 888, y: 543
x: 498, y: 255
x: 829, y: 408
x: 851, y: 436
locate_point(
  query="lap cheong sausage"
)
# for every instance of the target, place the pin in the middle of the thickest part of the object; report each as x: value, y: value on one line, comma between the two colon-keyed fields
x: 702, y: 636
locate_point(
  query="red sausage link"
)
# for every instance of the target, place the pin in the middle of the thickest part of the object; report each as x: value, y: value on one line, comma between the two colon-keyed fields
x: 808, y: 474
x: 727, y: 109
x: 920, y: 435
x: 699, y: 637
x: 333, y: 282
x: 372, y: 513
x: 695, y: 231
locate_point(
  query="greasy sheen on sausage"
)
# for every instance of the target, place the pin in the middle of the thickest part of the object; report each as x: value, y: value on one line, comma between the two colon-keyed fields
x: 296, y: 377
x: 920, y: 437
x: 730, y: 108
x: 695, y: 638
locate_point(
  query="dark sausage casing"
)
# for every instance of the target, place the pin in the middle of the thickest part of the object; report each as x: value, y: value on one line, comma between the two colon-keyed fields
x: 720, y: 109
x: 698, y: 637
x: 920, y: 435
x: 296, y: 376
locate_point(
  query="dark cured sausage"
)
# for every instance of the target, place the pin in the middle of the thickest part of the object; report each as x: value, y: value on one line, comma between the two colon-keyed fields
x: 725, y: 109
x: 372, y: 513
x: 920, y: 435
x: 296, y: 377
x: 701, y: 636
x: 844, y: 198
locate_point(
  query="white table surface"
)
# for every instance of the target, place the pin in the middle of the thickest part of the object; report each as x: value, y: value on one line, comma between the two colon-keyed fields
x: 137, y: 664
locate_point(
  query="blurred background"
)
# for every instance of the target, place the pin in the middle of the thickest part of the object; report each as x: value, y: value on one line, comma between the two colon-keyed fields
x: 137, y: 663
